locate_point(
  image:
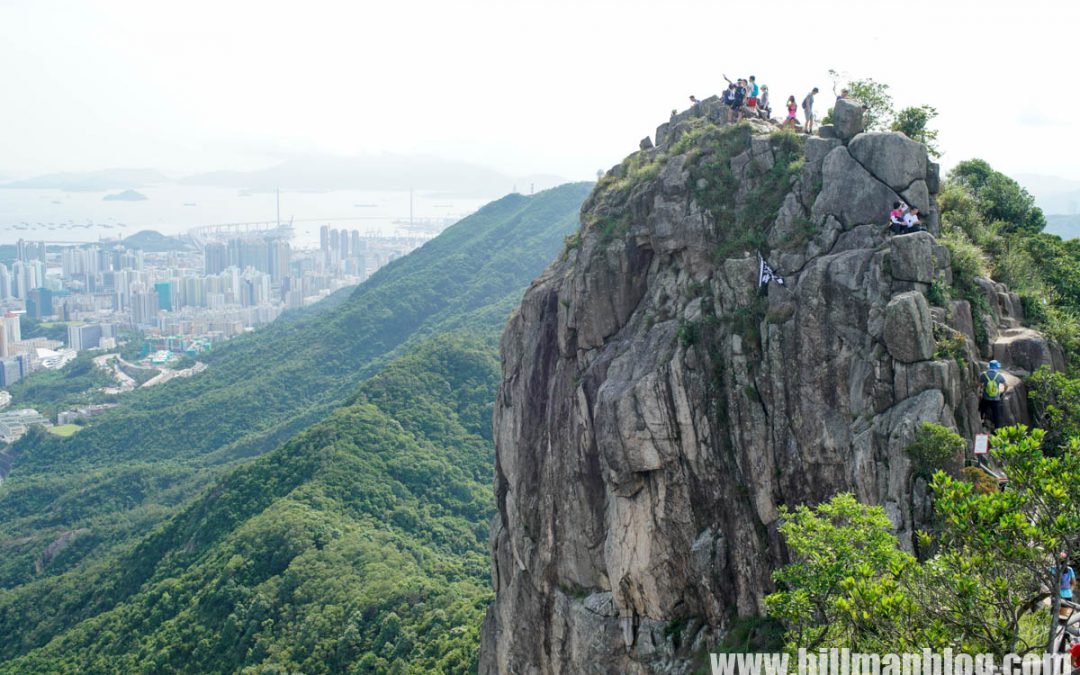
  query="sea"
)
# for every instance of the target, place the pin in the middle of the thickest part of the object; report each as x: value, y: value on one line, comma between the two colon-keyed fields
x: 71, y: 217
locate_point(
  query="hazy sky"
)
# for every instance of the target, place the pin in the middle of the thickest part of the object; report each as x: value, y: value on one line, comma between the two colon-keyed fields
x: 562, y: 87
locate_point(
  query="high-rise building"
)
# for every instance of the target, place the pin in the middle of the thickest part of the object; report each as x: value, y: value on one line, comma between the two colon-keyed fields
x: 324, y: 237
x: 5, y: 283
x: 39, y: 303
x: 10, y: 371
x: 13, y: 327
x: 165, y: 295
x: 88, y: 336
x: 280, y: 255
x: 215, y: 258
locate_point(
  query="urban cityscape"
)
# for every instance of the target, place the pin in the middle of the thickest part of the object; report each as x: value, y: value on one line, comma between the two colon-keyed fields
x: 164, y: 306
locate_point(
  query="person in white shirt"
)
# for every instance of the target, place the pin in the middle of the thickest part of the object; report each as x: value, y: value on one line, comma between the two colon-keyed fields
x: 912, y: 222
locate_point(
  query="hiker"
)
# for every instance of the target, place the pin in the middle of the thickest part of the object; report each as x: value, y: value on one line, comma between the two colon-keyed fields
x: 791, y: 122
x: 896, y: 218
x: 738, y: 96
x: 912, y: 222
x: 752, y: 98
x: 1068, y: 577
x: 808, y: 110
x: 843, y: 92
x: 993, y: 386
x: 764, y: 110
x: 729, y: 95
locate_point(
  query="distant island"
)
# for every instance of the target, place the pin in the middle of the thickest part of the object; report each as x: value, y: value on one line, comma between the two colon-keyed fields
x: 125, y: 196
x: 155, y: 242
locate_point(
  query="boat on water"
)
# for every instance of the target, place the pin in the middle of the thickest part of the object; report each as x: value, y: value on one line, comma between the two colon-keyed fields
x: 190, y: 204
x: 365, y: 206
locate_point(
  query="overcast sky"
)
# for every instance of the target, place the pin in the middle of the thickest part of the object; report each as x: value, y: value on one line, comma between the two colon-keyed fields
x: 562, y: 87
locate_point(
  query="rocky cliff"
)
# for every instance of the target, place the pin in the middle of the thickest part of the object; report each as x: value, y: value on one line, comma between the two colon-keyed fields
x: 657, y: 407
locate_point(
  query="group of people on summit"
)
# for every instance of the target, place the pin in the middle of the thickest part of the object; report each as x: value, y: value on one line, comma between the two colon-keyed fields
x: 743, y: 96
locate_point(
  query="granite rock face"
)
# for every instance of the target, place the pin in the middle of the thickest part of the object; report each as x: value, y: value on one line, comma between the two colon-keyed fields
x: 657, y: 407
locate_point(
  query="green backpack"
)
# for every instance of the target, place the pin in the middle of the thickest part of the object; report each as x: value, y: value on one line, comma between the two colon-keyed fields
x: 992, y: 387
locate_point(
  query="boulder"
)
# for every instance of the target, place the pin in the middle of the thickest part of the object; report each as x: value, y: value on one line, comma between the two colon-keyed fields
x: 911, y: 257
x: 943, y: 263
x: 817, y: 148
x: 847, y: 117
x: 918, y: 196
x: 646, y: 144
x: 828, y: 131
x: 960, y: 318
x: 909, y: 330
x: 933, y: 177
x: 892, y: 158
x: 850, y: 193
x: 1024, y: 349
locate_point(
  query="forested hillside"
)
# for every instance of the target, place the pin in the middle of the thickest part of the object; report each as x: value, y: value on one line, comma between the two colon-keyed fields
x: 75, y: 513
x: 361, y: 542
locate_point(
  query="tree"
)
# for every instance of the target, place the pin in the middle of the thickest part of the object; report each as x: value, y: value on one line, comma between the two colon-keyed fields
x: 1012, y: 537
x: 843, y: 587
x: 1002, y: 200
x: 914, y: 122
x: 849, y: 585
x: 872, y: 94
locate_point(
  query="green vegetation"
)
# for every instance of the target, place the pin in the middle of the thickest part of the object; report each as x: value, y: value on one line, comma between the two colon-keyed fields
x: 914, y: 122
x: 935, y: 447
x: 879, y: 114
x: 708, y: 149
x: 361, y: 543
x: 48, y: 391
x: 993, y: 228
x: 50, y: 330
x: 874, y: 95
x: 850, y: 585
x: 1055, y: 405
x: 64, y: 430
x: 358, y: 544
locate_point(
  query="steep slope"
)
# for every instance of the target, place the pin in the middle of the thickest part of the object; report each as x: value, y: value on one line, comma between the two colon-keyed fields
x: 359, y: 543
x: 657, y: 407
x: 69, y: 507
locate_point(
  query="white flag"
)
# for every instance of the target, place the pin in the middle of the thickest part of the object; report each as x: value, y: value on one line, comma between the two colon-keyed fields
x: 766, y: 273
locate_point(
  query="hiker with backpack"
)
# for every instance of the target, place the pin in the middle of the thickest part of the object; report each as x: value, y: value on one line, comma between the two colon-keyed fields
x: 737, y: 102
x: 993, y: 387
x: 752, y: 95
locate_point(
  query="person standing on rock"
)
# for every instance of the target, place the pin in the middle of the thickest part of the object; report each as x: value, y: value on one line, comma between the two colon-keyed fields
x: 993, y: 387
x: 808, y: 110
x: 729, y: 95
x: 738, y: 96
x: 792, y: 109
x: 752, y: 100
